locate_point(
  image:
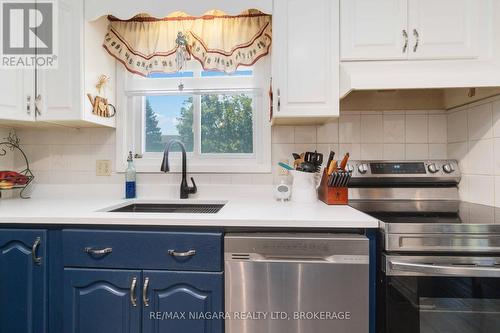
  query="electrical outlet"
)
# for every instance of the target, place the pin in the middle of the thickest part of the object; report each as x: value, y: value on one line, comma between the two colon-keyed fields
x: 103, y: 168
x: 283, y: 171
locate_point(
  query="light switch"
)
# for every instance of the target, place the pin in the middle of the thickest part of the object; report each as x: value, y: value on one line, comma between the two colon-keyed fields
x: 103, y: 168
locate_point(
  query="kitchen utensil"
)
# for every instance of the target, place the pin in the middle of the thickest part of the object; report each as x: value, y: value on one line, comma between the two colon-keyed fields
x: 285, y: 166
x: 343, y: 164
x: 307, y: 167
x: 332, y: 167
x: 314, y: 158
x: 296, y: 156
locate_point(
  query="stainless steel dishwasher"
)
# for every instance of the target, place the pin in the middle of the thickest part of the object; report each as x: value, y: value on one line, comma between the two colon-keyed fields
x: 296, y: 283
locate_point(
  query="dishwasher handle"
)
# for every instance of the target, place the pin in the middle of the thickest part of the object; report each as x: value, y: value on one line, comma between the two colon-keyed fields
x: 269, y: 258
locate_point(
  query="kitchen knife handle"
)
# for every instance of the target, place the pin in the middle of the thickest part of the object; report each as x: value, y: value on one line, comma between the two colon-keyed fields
x: 343, y: 164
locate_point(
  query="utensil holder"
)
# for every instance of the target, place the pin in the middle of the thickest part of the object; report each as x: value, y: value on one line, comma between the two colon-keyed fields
x: 303, y: 187
x: 333, y: 195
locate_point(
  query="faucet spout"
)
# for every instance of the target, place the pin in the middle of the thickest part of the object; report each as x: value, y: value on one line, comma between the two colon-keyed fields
x: 165, y: 167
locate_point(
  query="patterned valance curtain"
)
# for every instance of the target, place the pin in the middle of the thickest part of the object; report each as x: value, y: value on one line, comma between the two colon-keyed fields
x: 219, y: 42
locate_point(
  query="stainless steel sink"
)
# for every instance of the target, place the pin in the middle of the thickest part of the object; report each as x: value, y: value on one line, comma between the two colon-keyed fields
x: 192, y: 208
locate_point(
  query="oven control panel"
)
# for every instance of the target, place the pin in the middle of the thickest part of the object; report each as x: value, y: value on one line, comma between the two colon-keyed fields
x: 398, y: 169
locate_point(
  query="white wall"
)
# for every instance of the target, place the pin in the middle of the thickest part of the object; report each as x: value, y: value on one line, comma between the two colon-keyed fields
x: 68, y: 156
x: 474, y: 140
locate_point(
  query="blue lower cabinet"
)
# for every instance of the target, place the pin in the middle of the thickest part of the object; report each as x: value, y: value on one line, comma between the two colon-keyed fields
x: 102, y: 301
x: 23, y: 281
x: 182, y: 302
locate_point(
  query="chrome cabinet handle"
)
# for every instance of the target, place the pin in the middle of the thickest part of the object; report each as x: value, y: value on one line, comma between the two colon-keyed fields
x: 133, y: 297
x: 38, y: 102
x: 443, y: 270
x: 28, y: 104
x: 34, y: 248
x: 279, y: 100
x: 100, y: 252
x: 189, y: 253
x: 145, y: 298
x: 417, y: 42
x: 405, y: 35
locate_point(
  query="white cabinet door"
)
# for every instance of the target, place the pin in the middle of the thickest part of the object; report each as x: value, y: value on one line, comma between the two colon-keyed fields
x: 60, y: 90
x: 444, y: 29
x: 373, y: 29
x: 17, y: 94
x: 306, y: 58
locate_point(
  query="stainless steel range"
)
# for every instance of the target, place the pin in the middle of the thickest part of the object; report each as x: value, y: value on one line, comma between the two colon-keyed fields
x: 439, y: 257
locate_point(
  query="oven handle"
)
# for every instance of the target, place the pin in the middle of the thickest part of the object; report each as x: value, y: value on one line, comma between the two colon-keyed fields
x: 442, y: 270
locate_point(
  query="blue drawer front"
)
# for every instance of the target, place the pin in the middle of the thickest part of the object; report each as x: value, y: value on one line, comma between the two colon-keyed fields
x: 143, y: 250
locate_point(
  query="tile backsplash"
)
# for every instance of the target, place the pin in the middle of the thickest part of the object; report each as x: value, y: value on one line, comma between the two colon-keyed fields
x: 369, y: 135
x: 67, y: 156
x: 474, y: 140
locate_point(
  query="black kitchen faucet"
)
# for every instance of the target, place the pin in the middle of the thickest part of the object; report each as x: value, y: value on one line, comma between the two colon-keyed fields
x: 185, y: 188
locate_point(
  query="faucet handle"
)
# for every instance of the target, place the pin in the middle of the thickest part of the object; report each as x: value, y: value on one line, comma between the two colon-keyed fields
x: 193, y: 189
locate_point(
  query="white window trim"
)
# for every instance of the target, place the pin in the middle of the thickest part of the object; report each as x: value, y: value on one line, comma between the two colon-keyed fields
x: 126, y: 133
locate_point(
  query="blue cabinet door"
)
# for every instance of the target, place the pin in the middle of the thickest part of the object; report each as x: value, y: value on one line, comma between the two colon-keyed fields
x: 23, y: 281
x: 171, y: 299
x: 102, y: 301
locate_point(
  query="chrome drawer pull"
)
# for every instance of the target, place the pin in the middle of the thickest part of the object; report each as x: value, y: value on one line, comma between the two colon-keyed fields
x: 189, y: 253
x: 133, y: 298
x: 100, y: 252
x: 34, y: 248
x: 145, y: 298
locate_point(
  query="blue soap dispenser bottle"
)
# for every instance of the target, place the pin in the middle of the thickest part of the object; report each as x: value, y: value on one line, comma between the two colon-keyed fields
x: 130, y: 175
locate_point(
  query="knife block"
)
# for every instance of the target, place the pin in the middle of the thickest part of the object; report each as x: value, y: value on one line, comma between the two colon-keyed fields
x: 332, y: 195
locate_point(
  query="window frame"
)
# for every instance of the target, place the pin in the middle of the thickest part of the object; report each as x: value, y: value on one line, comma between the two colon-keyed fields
x: 130, y: 133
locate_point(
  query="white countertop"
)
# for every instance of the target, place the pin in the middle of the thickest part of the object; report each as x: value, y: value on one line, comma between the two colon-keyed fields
x: 252, y: 206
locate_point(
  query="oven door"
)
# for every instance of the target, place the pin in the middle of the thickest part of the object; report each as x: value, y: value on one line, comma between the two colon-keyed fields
x: 442, y: 294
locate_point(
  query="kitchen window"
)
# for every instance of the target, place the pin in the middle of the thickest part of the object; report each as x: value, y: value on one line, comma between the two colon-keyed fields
x: 221, y: 118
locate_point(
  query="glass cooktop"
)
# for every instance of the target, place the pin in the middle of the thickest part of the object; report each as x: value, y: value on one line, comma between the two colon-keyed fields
x: 428, y: 211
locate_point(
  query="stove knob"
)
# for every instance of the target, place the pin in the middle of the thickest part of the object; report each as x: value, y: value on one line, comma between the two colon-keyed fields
x: 363, y: 168
x: 349, y: 168
x: 432, y: 168
x: 448, y: 168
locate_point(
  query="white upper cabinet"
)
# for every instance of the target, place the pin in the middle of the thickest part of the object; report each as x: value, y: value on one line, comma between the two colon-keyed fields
x: 59, y: 91
x: 443, y: 29
x: 17, y: 95
x: 374, y: 29
x: 305, y: 60
x: 410, y: 29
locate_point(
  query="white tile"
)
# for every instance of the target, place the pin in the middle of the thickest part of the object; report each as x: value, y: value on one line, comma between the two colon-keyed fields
x: 463, y: 188
x: 458, y: 151
x: 481, y: 189
x: 416, y: 128
x: 496, y: 157
x: 305, y: 134
x: 38, y: 157
x: 353, y: 149
x: 349, y: 128
x: 102, y: 136
x: 304, y: 147
x: 220, y: 179
x: 496, y: 119
x: 372, y: 151
x: 480, y: 120
x: 262, y: 179
x: 103, y: 152
x: 437, y: 128
x: 480, y: 157
x: 497, y: 191
x: 329, y: 132
x: 71, y: 158
x: 283, y: 134
x: 394, y: 128
x: 457, y: 126
x: 325, y: 149
x: 372, y: 128
x: 417, y: 151
x: 282, y: 151
x: 438, y: 151
x: 394, y: 151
